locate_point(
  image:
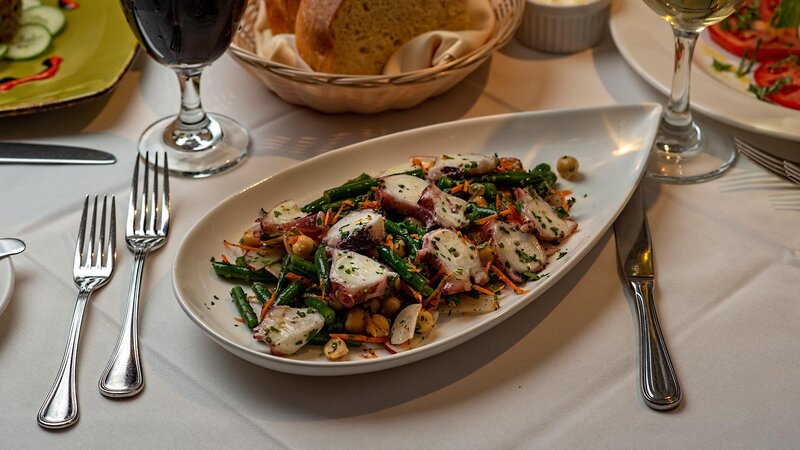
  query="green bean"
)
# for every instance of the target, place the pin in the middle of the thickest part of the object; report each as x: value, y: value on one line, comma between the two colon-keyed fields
x: 412, y: 227
x: 286, y: 296
x: 476, y: 212
x: 245, y: 310
x: 323, y: 338
x: 313, y: 206
x: 400, y: 266
x: 317, y: 204
x: 323, y: 268
x: 282, y: 280
x: 312, y: 301
x: 349, y: 190
x: 299, y: 266
x: 413, y: 245
x: 338, y: 203
x: 230, y: 271
x: 262, y: 293
x: 446, y: 183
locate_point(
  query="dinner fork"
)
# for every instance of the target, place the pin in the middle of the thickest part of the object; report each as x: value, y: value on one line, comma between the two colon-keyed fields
x: 92, y: 267
x: 780, y: 167
x: 145, y: 231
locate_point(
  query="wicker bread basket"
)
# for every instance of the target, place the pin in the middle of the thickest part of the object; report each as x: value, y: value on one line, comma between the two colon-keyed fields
x: 374, y: 93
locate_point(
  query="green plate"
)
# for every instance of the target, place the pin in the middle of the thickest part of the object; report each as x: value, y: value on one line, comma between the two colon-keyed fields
x: 96, y: 46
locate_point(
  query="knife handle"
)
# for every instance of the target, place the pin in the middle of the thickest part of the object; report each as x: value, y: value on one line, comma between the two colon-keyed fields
x: 659, y: 384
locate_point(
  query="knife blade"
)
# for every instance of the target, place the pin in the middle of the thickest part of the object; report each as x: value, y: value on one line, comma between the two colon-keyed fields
x: 25, y: 153
x: 657, y: 379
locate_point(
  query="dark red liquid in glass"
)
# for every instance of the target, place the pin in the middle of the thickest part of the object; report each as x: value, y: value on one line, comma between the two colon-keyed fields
x: 184, y: 33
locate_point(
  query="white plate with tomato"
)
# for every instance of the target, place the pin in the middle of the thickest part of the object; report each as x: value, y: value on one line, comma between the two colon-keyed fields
x: 765, y: 99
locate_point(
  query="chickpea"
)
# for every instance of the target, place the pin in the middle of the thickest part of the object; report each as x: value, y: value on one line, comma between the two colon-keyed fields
x: 479, y: 200
x: 378, y: 326
x: 251, y: 239
x: 476, y: 189
x: 373, y: 305
x: 304, y: 247
x: 335, y: 348
x: 567, y: 167
x: 485, y: 254
x: 399, y: 247
x: 424, y: 322
x: 356, y: 321
x: 414, y: 221
x: 390, y: 306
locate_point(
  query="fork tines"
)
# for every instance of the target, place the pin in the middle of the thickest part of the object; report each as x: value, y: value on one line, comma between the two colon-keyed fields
x: 95, y: 254
x: 148, y: 213
x: 782, y: 168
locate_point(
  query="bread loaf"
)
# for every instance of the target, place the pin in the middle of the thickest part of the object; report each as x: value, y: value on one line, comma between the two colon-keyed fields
x: 281, y: 15
x: 357, y: 37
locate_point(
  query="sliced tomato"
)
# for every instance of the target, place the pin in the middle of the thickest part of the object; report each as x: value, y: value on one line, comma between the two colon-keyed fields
x: 766, y: 8
x: 776, y: 43
x: 769, y: 72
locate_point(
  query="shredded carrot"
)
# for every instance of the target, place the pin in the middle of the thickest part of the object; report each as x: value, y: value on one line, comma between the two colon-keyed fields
x: 388, y: 241
x: 488, y: 264
x: 417, y: 162
x: 266, y: 306
x: 336, y: 217
x: 291, y: 276
x: 373, y: 204
x: 482, y: 290
x: 225, y: 259
x: 507, y: 212
x: 238, y: 319
x: 498, y: 203
x: 508, y: 282
x: 563, y: 194
x: 359, y: 337
x: 438, y: 291
x: 457, y: 188
x: 483, y: 220
x: 326, y: 222
x: 242, y: 246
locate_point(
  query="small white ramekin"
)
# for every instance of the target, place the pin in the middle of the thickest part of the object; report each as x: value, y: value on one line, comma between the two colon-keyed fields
x: 563, y: 28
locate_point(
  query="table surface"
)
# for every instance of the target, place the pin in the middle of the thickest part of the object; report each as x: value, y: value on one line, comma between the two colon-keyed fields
x: 563, y: 372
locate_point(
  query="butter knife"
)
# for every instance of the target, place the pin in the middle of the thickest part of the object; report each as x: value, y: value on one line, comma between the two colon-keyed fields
x: 658, y: 382
x: 25, y: 153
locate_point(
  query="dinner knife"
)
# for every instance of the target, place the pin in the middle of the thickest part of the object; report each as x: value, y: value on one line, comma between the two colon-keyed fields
x: 25, y: 153
x: 658, y: 382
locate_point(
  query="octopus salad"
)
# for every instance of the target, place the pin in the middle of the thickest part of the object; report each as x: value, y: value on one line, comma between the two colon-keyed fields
x: 378, y: 260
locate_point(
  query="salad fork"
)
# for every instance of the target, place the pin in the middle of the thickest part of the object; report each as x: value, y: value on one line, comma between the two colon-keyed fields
x: 145, y: 231
x: 780, y: 167
x: 92, y: 267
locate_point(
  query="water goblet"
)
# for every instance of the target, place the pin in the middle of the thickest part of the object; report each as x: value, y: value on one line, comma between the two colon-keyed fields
x: 187, y: 36
x: 684, y: 152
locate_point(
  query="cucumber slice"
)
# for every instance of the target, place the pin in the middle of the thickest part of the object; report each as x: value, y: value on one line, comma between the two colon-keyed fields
x: 3, y: 49
x: 47, y: 16
x: 27, y: 4
x: 30, y: 41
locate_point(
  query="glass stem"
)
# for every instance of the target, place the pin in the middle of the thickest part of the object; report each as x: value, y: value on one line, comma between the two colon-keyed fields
x: 193, y: 130
x: 678, y: 115
x: 192, y: 115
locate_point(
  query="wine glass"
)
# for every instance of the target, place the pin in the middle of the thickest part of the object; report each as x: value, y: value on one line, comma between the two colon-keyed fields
x: 186, y: 36
x: 683, y: 152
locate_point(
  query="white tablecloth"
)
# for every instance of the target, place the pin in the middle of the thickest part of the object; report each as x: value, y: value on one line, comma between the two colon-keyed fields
x: 561, y: 373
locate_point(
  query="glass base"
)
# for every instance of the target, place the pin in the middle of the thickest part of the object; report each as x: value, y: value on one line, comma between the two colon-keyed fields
x: 703, y: 161
x: 229, y: 150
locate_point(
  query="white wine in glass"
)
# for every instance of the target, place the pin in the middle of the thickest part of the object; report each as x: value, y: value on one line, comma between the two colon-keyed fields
x: 683, y: 152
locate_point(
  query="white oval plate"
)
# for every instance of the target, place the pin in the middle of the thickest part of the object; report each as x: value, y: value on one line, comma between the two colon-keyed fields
x: 645, y: 41
x: 611, y: 143
x: 6, y: 282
